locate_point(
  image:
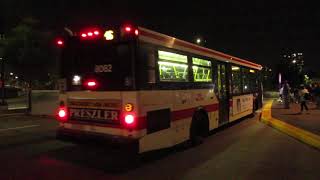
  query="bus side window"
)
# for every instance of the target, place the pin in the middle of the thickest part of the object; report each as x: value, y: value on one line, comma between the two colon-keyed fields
x: 173, y: 67
x: 236, y: 80
x: 201, y: 70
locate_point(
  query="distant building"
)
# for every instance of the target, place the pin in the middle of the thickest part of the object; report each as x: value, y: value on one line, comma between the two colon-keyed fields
x: 292, y: 66
x: 294, y: 60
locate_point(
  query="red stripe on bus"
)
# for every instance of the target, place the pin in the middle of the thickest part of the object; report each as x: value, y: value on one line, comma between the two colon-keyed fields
x: 186, y: 113
x: 192, y: 46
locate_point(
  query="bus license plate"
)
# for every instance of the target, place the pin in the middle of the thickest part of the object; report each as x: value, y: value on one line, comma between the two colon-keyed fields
x: 94, y: 114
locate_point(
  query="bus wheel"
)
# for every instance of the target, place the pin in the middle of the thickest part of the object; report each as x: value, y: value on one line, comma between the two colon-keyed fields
x: 199, y: 127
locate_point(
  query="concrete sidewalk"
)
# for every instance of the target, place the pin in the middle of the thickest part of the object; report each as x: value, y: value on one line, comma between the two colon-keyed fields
x: 309, y: 121
x: 304, y: 126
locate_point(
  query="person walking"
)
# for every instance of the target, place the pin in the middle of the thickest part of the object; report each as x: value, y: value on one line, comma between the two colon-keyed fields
x: 280, y: 94
x: 286, y: 94
x: 303, y: 93
x: 317, y: 95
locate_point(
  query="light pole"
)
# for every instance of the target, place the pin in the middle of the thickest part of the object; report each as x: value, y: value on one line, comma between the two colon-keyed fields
x: 3, y: 102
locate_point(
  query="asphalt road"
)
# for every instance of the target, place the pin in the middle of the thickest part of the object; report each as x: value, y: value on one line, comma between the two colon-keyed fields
x: 246, y: 150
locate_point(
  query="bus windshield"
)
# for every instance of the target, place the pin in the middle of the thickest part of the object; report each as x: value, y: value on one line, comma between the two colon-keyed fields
x: 108, y: 64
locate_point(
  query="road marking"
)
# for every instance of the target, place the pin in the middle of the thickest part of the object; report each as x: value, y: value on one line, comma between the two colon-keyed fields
x: 21, y: 127
x: 300, y: 134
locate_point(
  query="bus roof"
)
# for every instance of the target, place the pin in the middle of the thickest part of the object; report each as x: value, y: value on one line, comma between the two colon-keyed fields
x: 153, y: 37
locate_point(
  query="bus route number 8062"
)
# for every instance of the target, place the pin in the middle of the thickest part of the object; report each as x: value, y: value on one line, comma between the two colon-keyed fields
x: 103, y: 68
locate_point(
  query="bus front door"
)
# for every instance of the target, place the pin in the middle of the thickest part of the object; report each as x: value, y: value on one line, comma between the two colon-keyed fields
x: 223, y: 94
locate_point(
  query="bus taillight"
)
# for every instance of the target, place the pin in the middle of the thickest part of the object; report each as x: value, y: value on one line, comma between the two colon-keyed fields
x: 96, y: 33
x: 62, y: 114
x: 129, y: 119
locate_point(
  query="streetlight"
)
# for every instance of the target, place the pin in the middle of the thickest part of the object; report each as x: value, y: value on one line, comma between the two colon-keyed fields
x: 198, y: 41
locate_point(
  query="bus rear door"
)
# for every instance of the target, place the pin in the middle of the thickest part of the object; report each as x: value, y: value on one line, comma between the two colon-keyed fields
x: 223, y: 94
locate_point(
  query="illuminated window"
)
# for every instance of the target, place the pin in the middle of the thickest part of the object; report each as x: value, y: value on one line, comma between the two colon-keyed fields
x: 249, y: 80
x: 201, y: 70
x: 173, y: 67
x: 201, y: 62
x: 169, y: 56
x: 236, y: 80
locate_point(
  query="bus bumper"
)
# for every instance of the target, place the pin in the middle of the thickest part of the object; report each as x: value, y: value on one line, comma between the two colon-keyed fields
x: 96, y: 138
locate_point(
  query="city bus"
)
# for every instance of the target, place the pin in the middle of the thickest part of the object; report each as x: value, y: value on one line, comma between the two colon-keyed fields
x: 129, y: 84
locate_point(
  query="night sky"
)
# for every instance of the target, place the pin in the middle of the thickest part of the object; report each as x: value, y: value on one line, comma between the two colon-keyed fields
x: 256, y: 30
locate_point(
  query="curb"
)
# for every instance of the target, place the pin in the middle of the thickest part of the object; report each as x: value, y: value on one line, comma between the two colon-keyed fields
x: 11, y: 114
x: 43, y: 115
x: 26, y: 114
x: 295, y: 132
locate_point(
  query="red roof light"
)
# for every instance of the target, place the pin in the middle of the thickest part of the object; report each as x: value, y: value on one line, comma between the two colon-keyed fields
x: 92, y: 83
x: 128, y: 28
x: 60, y: 42
x: 96, y: 33
x: 90, y: 34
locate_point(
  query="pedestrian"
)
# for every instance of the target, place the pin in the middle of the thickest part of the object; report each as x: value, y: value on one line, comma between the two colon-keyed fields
x: 286, y: 94
x: 303, y: 93
x: 317, y: 95
x: 280, y: 94
x: 296, y: 95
